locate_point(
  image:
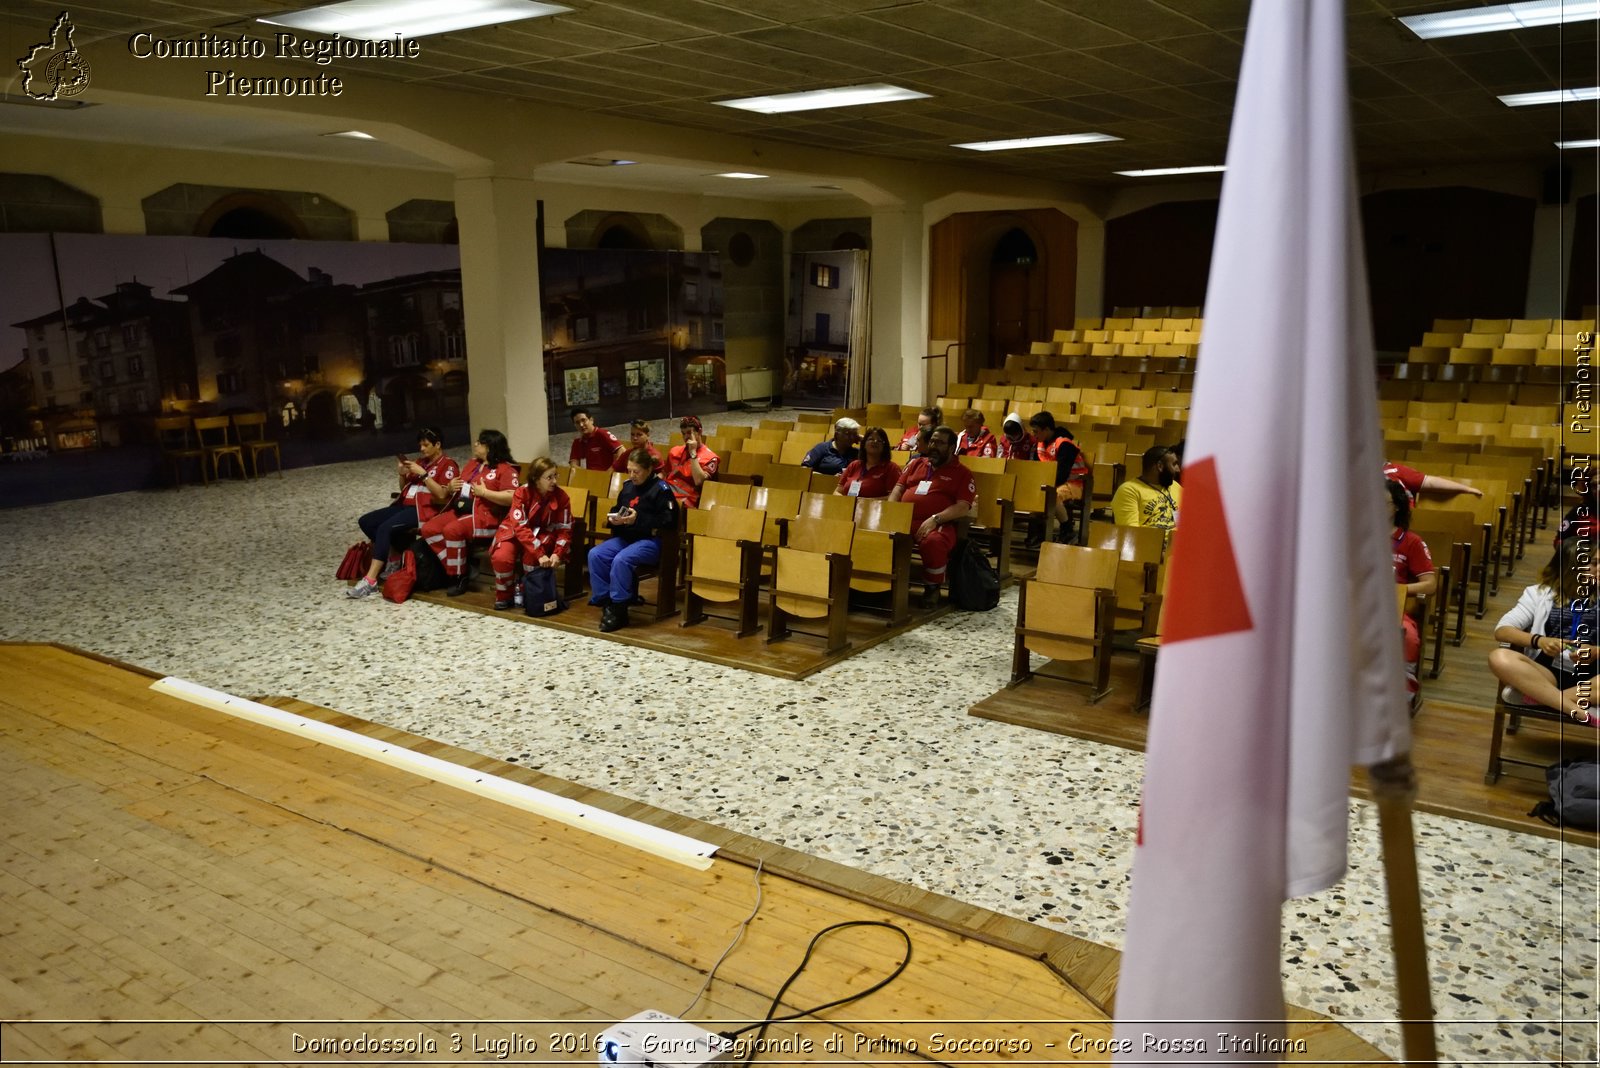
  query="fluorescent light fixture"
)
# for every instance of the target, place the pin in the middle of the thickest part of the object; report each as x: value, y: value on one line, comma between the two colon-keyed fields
x: 1156, y: 172
x: 1499, y: 17
x: 666, y: 844
x: 1552, y: 96
x: 740, y: 174
x: 355, y: 135
x: 843, y: 96
x: 1037, y: 142
x: 373, y: 20
x: 1591, y: 143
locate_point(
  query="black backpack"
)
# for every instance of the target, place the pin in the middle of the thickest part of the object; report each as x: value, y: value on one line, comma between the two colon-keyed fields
x: 1574, y: 795
x: 974, y: 583
x: 430, y: 572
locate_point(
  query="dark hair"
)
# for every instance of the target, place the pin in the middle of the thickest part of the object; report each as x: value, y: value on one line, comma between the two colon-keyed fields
x: 690, y: 420
x: 936, y: 414
x: 946, y: 431
x: 1154, y: 455
x: 881, y: 435
x: 643, y: 458
x: 499, y: 448
x: 430, y: 433
x: 577, y: 412
x: 640, y: 424
x: 1042, y: 421
x: 972, y: 414
x: 1402, y: 504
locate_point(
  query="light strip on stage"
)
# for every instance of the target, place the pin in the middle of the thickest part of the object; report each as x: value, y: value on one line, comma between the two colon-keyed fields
x: 666, y: 844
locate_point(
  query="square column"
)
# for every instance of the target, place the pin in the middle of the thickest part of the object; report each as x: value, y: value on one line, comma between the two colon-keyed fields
x: 899, y: 273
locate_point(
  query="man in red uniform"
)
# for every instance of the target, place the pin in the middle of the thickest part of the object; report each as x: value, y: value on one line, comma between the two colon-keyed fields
x: 690, y: 464
x: 595, y: 447
x: 941, y: 490
x: 1414, y: 482
x: 638, y: 438
x: 975, y: 439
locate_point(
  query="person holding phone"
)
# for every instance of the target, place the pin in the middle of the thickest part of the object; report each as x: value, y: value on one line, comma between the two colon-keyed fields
x: 424, y: 490
x: 482, y: 497
x: 690, y: 464
x: 645, y: 506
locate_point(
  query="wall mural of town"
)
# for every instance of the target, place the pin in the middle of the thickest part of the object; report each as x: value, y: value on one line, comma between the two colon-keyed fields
x: 346, y: 346
x: 633, y: 334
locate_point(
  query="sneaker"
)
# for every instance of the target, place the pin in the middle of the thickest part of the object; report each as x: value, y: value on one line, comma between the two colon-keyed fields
x: 389, y: 568
x: 361, y: 589
x: 1517, y: 699
x: 502, y: 606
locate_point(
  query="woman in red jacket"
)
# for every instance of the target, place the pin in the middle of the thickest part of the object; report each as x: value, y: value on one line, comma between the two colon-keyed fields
x: 536, y: 533
x: 482, y: 496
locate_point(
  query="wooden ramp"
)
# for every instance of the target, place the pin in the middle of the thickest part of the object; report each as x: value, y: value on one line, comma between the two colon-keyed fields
x: 178, y: 884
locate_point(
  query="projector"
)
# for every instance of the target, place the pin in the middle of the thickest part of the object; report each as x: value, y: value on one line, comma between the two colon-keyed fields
x: 652, y: 1039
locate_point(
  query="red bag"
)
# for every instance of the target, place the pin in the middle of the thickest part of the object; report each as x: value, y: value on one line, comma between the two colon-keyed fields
x: 398, y: 586
x: 357, y: 560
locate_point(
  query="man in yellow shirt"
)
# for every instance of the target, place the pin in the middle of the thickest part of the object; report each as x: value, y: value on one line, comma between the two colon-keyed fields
x: 1152, y: 499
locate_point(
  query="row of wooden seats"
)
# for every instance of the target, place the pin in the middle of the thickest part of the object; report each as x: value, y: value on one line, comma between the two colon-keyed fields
x: 1171, y: 319
x: 1511, y: 326
x: 1472, y: 392
x: 962, y: 396
x: 1473, y: 411
x: 1104, y: 376
x: 1155, y: 345
x: 215, y: 438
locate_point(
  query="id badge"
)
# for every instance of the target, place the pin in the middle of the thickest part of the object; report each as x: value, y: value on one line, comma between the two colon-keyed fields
x: 923, y: 486
x: 855, y: 489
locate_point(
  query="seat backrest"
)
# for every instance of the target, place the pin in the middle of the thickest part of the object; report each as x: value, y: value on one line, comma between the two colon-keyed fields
x: 826, y: 506
x: 762, y: 447
x: 747, y: 464
x: 1077, y: 565
x: 211, y: 430
x: 250, y: 426
x: 1032, y: 477
x: 992, y: 490
x: 821, y: 535
x: 795, y: 451
x: 578, y: 499
x: 724, y: 495
x: 735, y: 524
x: 882, y: 514
x: 786, y: 477
x: 778, y: 504
x: 734, y: 433
x: 172, y: 431
x: 989, y: 465
x: 770, y: 433
x: 1139, y: 545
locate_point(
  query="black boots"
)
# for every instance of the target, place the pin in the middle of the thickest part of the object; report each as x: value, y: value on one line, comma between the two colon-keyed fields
x: 459, y: 586
x: 613, y: 617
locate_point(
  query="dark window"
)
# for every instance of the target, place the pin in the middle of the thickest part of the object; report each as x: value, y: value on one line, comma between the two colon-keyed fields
x: 229, y: 382
x: 47, y: 380
x: 135, y: 366
x: 581, y: 325
x: 108, y: 372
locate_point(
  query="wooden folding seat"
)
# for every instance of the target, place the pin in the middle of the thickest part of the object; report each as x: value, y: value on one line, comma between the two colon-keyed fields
x: 786, y: 476
x: 1158, y: 382
x: 1490, y: 514
x: 1083, y: 323
x: 1075, y: 348
x: 880, y: 557
x: 1139, y: 551
x: 720, y: 445
x: 1521, y: 340
x: 1187, y: 337
x: 1177, y: 323
x: 1065, y: 612
x: 1033, y: 503
x: 1041, y: 348
x: 211, y: 435
x: 1441, y: 340
x: 1121, y: 380
x: 1533, y: 414
x: 1471, y: 357
x: 1508, y: 721
x: 745, y: 467
x: 811, y: 581
x: 984, y: 465
x: 1490, y: 326
x: 250, y: 431
x: 995, y: 393
x: 177, y: 448
x: 577, y: 562
x: 1097, y: 397
x: 951, y: 402
x: 794, y: 451
x: 725, y: 565
x: 1023, y: 394
x: 724, y: 495
x: 821, y: 483
x: 734, y: 433
x: 884, y: 415
x: 1479, y: 412
x: 767, y: 447
x: 1060, y: 334
x: 990, y: 520
x: 1450, y: 537
x: 1090, y: 380
x: 1136, y: 415
x: 595, y: 488
x: 1155, y: 337
x: 1062, y: 400
x: 1105, y: 348
x: 1392, y: 410
x: 1452, y: 326
x: 1439, y: 392
x: 1435, y: 411
x: 1520, y: 475
x: 770, y: 433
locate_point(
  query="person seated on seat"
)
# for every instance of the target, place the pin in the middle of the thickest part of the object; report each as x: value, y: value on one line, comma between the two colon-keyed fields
x: 537, y: 532
x: 874, y: 473
x: 927, y: 419
x: 1414, y: 482
x: 941, y: 490
x: 975, y: 438
x: 838, y: 452
x: 1550, y: 657
x: 423, y: 492
x: 638, y: 438
x: 1153, y: 498
x: 1054, y: 442
x: 1413, y: 569
x: 482, y: 496
x: 690, y: 464
x: 645, y: 506
x: 595, y: 447
x: 1014, y: 442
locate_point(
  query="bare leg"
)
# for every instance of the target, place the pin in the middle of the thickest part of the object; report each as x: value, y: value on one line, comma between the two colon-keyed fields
x: 1535, y: 680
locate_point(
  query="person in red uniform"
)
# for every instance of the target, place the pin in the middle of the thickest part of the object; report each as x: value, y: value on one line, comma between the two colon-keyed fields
x: 1414, y: 482
x: 537, y: 532
x: 422, y: 493
x: 1015, y: 442
x: 872, y: 474
x: 483, y: 496
x: 690, y: 464
x: 1413, y: 569
x: 638, y: 438
x: 975, y: 439
x: 1054, y: 442
x: 927, y: 419
x: 941, y: 490
x: 595, y: 447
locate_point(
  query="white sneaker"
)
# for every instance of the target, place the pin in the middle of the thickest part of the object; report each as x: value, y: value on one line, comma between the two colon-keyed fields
x: 389, y: 568
x: 1517, y: 699
x: 361, y: 589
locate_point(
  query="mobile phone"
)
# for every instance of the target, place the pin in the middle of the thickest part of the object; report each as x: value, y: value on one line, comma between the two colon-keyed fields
x: 402, y: 457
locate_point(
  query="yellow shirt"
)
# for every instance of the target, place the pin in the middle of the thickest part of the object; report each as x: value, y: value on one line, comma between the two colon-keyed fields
x: 1139, y: 504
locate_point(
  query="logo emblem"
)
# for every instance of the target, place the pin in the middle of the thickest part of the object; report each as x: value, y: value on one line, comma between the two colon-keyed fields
x: 55, y: 69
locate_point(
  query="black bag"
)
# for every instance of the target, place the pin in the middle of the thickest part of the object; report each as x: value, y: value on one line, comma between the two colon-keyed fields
x: 430, y: 572
x: 974, y: 583
x: 1574, y: 795
x: 540, y: 594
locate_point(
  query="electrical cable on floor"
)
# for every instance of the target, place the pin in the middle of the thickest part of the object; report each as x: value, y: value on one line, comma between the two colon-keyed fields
x: 684, y: 1015
x: 777, y: 999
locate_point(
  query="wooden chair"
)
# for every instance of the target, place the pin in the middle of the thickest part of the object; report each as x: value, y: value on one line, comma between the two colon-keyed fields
x: 787, y: 476
x: 724, y: 495
x: 990, y: 521
x: 1450, y: 537
x: 596, y: 487
x: 1139, y: 551
x: 250, y: 431
x: 821, y: 483
x: 811, y: 581
x: 211, y: 433
x: 744, y: 467
x: 575, y: 569
x: 725, y: 565
x: 880, y: 557
x: 1033, y: 503
x: 815, y: 505
x: 1508, y: 720
x: 172, y: 435
x: 1065, y: 612
x: 795, y: 451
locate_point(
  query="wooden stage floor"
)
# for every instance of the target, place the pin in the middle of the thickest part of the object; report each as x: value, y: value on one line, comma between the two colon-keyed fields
x: 178, y: 884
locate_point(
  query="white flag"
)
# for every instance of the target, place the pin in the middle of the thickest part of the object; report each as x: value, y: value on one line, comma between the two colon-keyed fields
x: 1280, y: 662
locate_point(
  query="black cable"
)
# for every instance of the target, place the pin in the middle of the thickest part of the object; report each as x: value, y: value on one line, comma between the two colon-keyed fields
x: 777, y: 999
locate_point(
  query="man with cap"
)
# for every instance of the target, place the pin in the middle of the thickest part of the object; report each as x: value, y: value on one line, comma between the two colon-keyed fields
x: 1015, y: 443
x: 975, y: 438
x: 690, y: 464
x: 834, y: 455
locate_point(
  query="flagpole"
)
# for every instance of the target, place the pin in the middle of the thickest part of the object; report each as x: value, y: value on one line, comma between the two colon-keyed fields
x: 1394, y: 786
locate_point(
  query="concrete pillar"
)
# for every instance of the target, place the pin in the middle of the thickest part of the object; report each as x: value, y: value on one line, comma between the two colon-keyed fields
x: 1553, y: 229
x: 498, y: 219
x: 899, y: 305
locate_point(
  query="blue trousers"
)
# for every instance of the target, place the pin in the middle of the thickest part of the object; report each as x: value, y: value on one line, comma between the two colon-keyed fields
x: 381, y: 524
x: 612, y: 564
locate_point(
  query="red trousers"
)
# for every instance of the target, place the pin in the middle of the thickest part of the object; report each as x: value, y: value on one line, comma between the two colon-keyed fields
x: 447, y: 535
x: 1413, y: 652
x: 935, y: 550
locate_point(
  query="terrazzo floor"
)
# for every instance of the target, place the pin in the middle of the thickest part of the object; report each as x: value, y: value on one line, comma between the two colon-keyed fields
x: 873, y: 763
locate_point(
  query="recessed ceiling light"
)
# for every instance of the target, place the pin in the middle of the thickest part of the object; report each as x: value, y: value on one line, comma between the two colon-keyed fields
x: 1037, y: 142
x: 356, y: 135
x: 602, y: 161
x: 1156, y: 172
x: 1551, y: 96
x: 842, y: 96
x: 740, y: 174
x: 1591, y: 143
x: 1499, y: 17
x: 372, y: 20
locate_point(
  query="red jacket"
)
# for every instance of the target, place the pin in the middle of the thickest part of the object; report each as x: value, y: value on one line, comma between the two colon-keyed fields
x: 485, y: 515
x: 542, y: 524
x: 441, y: 470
